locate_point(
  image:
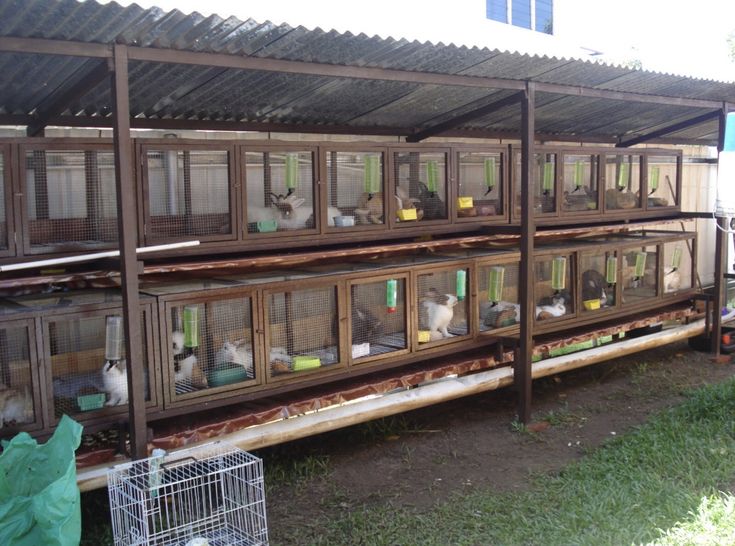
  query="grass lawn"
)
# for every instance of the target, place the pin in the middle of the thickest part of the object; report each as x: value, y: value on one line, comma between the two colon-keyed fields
x: 668, y: 482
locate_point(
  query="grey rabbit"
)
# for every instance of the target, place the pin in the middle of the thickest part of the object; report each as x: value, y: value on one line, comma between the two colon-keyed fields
x: 593, y: 286
x: 366, y: 327
x: 432, y: 205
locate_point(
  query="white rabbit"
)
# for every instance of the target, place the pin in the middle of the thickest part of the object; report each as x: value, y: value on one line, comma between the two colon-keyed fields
x: 239, y: 353
x: 556, y: 309
x: 672, y: 279
x: 115, y: 382
x: 440, y: 311
x: 15, y: 407
x: 186, y: 369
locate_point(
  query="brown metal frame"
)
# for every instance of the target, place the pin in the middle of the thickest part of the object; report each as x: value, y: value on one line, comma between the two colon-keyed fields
x: 306, y: 234
x: 597, y: 314
x: 560, y: 216
x: 503, y: 259
x: 10, y: 195
x: 165, y: 303
x: 143, y: 146
x: 449, y: 190
x: 540, y: 218
x: 501, y: 218
x: 43, y: 316
x: 677, y: 188
x: 44, y: 144
x: 342, y: 318
x: 327, y: 147
x: 467, y: 264
x: 600, y: 190
x: 37, y: 372
x: 370, y: 278
x: 557, y: 323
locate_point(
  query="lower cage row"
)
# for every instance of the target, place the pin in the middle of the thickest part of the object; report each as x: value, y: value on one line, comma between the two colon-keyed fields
x: 260, y: 332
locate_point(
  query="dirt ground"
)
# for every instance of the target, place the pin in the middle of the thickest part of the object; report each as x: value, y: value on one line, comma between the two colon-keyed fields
x: 420, y: 458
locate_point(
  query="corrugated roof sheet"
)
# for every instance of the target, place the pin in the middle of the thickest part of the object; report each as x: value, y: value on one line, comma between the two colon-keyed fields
x: 205, y: 92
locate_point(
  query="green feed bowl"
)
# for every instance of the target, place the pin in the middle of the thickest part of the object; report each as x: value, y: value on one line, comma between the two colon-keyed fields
x: 90, y: 402
x: 227, y: 376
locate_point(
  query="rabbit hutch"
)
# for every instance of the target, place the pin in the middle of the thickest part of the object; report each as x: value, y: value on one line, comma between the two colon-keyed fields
x: 281, y: 226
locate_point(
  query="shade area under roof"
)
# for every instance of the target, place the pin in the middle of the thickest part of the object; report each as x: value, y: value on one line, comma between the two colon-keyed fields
x: 328, y: 87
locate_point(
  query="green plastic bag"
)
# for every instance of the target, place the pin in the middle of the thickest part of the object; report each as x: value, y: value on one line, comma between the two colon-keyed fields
x: 39, y: 496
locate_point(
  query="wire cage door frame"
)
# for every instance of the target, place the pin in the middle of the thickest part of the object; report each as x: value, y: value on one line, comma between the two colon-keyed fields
x: 211, y: 494
x: 10, y: 200
x: 181, y: 194
x: 68, y: 200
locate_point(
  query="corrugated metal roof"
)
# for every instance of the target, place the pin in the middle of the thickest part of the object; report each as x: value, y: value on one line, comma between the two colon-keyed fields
x: 162, y: 91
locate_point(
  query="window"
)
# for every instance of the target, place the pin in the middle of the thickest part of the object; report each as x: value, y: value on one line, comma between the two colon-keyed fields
x: 535, y: 15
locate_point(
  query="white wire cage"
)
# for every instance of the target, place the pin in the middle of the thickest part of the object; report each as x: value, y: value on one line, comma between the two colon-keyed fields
x: 212, y: 494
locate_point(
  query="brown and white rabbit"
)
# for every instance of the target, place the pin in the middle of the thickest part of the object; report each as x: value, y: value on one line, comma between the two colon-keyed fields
x: 115, y: 382
x: 186, y: 368
x: 15, y: 406
x: 293, y: 215
x: 440, y: 312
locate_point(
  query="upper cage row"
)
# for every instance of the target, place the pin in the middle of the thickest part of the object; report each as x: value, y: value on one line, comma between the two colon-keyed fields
x: 59, y: 195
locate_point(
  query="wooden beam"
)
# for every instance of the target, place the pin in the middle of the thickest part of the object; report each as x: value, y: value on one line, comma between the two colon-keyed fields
x: 127, y: 222
x: 464, y: 118
x: 721, y: 238
x: 522, y: 374
x: 225, y: 60
x: 58, y: 102
x: 42, y: 46
x: 594, y: 93
x: 709, y: 116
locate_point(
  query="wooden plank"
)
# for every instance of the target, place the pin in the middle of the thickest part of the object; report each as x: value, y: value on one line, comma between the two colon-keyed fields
x: 464, y: 118
x: 528, y: 230
x: 667, y: 130
x: 13, y: 44
x: 128, y: 231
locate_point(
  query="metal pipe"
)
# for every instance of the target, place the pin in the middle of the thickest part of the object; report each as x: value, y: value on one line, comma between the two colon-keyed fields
x: 93, y: 256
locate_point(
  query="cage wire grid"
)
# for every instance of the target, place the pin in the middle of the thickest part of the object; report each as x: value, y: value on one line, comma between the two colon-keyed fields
x: 189, y: 192
x: 215, y: 492
x: 70, y: 197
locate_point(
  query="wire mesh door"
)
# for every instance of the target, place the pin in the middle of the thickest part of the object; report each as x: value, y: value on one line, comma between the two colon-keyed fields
x: 88, y: 362
x: 211, y: 346
x: 378, y: 319
x: 303, y: 330
x: 421, y: 185
x: 580, y: 183
x: 442, y: 305
x: 280, y: 190
x: 17, y: 381
x: 662, y: 181
x: 553, y: 287
x: 189, y: 194
x: 678, y: 266
x: 480, y: 185
x: 640, y: 274
x: 211, y: 495
x: 70, y: 198
x: 598, y: 282
x: 355, y: 188
x: 498, y: 295
x: 623, y: 181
